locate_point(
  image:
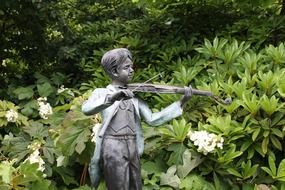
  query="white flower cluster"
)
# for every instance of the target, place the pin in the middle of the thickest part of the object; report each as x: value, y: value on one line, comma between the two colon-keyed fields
x: 36, y: 158
x: 5, y: 62
x: 44, y: 108
x: 62, y: 89
x: 95, y: 130
x: 206, y: 142
x: 35, y: 145
x: 11, y: 115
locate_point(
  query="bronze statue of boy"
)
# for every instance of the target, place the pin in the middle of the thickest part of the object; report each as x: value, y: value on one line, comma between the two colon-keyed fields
x: 119, y: 143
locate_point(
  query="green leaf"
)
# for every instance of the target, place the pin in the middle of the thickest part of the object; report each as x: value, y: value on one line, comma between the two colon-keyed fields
x: 185, y: 76
x: 190, y: 161
x: 40, y: 184
x: 250, y: 102
x: 48, y: 152
x: 66, y: 175
x: 74, y: 137
x: 258, y: 149
x: 45, y: 89
x: 266, y: 133
x: 6, y: 171
x: 177, y: 132
x: 276, y: 53
x: 276, y: 142
x: 217, y: 181
x: 3, y: 122
x: 245, y: 145
x: 232, y: 107
x: 277, y: 132
x: 36, y: 129
x: 177, y: 153
x: 281, y: 171
x: 234, y: 172
x: 264, y: 144
x: 248, y: 170
x: 230, y: 155
x: 267, y: 80
x: 246, y: 186
x: 240, y: 87
x: 255, y: 134
x: 30, y: 107
x: 24, y: 92
x: 152, y: 167
x: 196, y: 182
x: 170, y: 178
x: 267, y: 170
x: 30, y: 173
x: 270, y: 105
x: 272, y: 166
x: 15, y: 147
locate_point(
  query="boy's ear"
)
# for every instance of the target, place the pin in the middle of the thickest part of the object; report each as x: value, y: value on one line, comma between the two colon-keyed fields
x: 114, y: 72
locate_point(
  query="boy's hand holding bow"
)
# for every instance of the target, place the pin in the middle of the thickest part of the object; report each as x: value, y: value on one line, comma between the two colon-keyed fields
x: 124, y: 94
x: 187, y: 95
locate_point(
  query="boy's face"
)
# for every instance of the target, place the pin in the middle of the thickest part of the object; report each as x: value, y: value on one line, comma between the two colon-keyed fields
x: 125, y: 72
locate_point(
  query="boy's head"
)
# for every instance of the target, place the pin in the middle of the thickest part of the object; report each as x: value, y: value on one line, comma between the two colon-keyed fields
x: 117, y: 63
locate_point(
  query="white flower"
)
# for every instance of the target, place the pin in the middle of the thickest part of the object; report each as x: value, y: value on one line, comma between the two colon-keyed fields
x: 42, y: 99
x: 11, y: 115
x: 95, y: 130
x: 35, y: 145
x: 168, y: 22
x: 4, y: 62
x: 220, y: 143
x: 44, y: 108
x: 60, y: 161
x: 36, y: 158
x: 61, y: 89
x: 206, y: 142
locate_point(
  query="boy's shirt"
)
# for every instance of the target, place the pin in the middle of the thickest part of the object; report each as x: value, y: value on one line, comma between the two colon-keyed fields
x: 123, y: 122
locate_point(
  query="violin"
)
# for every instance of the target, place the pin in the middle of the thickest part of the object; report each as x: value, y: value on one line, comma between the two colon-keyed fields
x: 167, y: 89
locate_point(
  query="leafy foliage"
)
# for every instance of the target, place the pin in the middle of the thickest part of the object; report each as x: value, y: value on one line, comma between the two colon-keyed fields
x: 231, y: 48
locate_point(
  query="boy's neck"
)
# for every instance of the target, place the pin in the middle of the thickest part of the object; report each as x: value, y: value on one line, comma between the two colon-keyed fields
x: 118, y: 83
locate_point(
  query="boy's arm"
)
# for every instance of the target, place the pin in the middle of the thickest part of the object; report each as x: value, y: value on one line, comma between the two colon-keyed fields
x: 170, y: 112
x: 97, y: 102
x: 100, y: 100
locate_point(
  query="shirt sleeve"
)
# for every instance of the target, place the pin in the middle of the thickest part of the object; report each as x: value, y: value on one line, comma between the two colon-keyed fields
x: 97, y: 102
x: 170, y: 112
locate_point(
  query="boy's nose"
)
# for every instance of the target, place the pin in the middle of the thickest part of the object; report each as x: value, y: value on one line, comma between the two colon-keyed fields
x: 131, y: 70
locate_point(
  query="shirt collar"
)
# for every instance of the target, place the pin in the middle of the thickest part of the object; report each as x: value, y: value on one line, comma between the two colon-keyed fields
x: 115, y: 88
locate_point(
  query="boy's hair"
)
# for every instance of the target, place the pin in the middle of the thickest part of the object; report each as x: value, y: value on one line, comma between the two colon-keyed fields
x: 113, y: 58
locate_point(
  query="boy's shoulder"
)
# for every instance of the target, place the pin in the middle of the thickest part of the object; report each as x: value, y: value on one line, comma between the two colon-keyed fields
x: 101, y: 90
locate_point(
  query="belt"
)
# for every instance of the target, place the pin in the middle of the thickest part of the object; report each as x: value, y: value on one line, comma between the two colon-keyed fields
x: 121, y: 137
